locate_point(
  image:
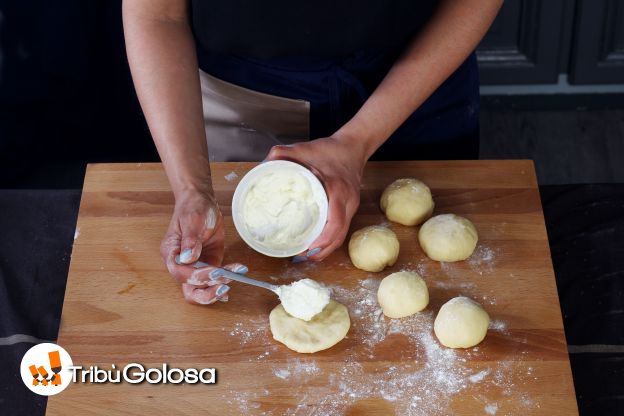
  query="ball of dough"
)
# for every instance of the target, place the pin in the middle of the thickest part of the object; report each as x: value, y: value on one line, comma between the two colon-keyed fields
x: 407, y: 201
x: 402, y: 294
x: 373, y: 248
x: 321, y: 332
x: 448, y: 237
x: 461, y: 323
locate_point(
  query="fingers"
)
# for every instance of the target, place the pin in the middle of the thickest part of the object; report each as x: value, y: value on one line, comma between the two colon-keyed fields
x: 343, y: 203
x: 169, y: 248
x: 207, y: 275
x: 293, y: 153
x: 205, y: 295
x: 236, y: 268
x: 207, y: 285
x: 197, y: 223
x: 214, y: 249
x: 197, y: 273
x: 195, y: 227
x: 279, y: 152
x: 343, y: 191
x: 333, y: 234
x: 188, y: 239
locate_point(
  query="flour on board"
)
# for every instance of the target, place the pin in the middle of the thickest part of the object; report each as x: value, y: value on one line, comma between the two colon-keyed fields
x: 482, y: 260
x: 425, y: 383
x: 231, y: 176
x: 491, y: 409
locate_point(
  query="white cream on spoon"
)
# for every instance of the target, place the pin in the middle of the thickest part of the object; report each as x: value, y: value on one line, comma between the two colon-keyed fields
x: 303, y: 299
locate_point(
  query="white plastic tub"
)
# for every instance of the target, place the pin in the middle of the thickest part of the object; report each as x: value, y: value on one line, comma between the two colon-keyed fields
x: 240, y: 194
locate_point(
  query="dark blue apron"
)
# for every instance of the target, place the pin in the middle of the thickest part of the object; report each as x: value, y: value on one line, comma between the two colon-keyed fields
x: 445, y: 126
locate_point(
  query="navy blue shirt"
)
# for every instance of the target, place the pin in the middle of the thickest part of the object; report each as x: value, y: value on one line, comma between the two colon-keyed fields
x: 334, y: 54
x: 311, y: 28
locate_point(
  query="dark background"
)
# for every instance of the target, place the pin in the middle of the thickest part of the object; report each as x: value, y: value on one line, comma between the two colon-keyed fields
x: 66, y: 96
x: 552, y: 90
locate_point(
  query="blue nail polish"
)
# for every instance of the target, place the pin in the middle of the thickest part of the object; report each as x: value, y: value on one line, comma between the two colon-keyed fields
x: 313, y: 252
x: 199, y: 264
x: 299, y: 259
x: 242, y: 269
x: 223, y: 289
x: 186, y: 255
x: 216, y: 273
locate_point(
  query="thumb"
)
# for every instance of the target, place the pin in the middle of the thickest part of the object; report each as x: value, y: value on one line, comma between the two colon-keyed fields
x: 190, y: 245
x: 190, y: 250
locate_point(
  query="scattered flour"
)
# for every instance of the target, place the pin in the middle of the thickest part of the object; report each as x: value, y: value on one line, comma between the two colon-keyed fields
x: 446, y: 284
x: 297, y: 368
x: 424, y: 384
x: 498, y: 325
x: 482, y: 260
x: 296, y: 271
x: 453, y: 270
x: 477, y: 377
x: 247, y: 401
x: 250, y: 331
x: 231, y: 176
x: 486, y: 300
x: 423, y: 266
x: 281, y: 373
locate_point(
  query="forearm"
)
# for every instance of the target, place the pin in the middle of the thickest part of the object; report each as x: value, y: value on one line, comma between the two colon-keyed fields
x: 444, y: 43
x: 164, y: 69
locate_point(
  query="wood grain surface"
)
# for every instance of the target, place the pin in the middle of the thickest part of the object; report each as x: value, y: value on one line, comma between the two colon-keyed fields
x: 121, y: 306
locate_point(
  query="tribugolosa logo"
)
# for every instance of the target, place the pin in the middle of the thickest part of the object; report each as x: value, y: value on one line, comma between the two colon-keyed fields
x: 48, y: 369
x: 45, y: 369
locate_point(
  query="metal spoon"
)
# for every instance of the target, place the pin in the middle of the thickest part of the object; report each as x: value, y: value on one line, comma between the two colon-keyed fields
x: 277, y: 289
x: 237, y: 277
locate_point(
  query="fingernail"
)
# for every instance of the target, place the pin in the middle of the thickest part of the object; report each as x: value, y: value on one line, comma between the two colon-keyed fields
x: 299, y: 259
x: 216, y: 273
x: 242, y: 269
x: 313, y: 252
x: 186, y: 255
x: 199, y: 264
x: 221, y: 290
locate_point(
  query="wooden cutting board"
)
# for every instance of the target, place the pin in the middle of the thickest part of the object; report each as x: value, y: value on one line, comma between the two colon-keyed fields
x: 121, y: 307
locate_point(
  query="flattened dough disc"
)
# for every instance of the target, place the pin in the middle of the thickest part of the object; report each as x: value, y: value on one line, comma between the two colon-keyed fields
x: 321, y: 332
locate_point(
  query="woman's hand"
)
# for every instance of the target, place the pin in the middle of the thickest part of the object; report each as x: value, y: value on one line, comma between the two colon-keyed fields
x: 196, y: 233
x: 338, y: 163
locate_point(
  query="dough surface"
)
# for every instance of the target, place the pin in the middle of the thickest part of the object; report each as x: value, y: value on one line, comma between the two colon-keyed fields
x: 461, y: 323
x: 407, y: 201
x: 448, y: 237
x: 373, y: 248
x: 321, y: 332
x: 402, y: 294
